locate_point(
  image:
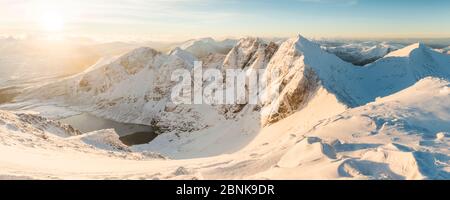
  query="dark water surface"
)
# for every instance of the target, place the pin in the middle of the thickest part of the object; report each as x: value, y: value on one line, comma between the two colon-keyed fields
x: 130, y: 134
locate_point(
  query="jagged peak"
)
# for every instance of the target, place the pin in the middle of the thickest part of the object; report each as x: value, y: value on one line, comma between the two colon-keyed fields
x: 247, y: 43
x: 305, y: 44
x: 300, y: 45
x: 245, y: 52
x: 301, y: 38
x: 249, y: 39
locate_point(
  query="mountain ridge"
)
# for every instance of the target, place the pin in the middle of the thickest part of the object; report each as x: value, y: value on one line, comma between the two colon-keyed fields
x: 305, y: 69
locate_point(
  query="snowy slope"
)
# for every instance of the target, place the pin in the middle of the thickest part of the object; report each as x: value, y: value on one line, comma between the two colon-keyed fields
x: 35, y: 60
x: 135, y: 88
x: 402, y: 136
x: 33, y: 131
x: 380, y: 121
x: 361, y: 53
x: 359, y: 85
x: 305, y: 68
x: 205, y: 46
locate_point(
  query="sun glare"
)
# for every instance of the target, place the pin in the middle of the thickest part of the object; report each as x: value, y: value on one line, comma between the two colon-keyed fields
x: 52, y: 22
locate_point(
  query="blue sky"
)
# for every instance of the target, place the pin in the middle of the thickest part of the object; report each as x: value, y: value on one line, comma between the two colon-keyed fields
x: 183, y: 19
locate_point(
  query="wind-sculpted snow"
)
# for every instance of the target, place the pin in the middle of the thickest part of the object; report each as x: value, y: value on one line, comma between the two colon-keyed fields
x: 401, y: 136
x: 329, y: 119
x: 403, y: 131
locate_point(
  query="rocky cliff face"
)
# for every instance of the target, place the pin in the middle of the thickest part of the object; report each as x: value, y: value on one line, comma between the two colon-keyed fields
x: 137, y: 86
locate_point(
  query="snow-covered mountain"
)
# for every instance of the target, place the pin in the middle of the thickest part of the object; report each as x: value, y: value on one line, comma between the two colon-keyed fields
x: 402, y: 136
x: 361, y: 53
x: 250, y: 53
x: 445, y: 50
x: 331, y: 119
x: 205, y: 46
x: 305, y: 68
x: 135, y: 88
x: 140, y: 80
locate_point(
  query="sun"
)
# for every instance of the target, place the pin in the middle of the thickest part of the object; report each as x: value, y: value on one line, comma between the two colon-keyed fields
x: 52, y: 22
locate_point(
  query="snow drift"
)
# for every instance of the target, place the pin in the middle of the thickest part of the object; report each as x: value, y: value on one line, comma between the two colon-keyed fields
x: 331, y: 120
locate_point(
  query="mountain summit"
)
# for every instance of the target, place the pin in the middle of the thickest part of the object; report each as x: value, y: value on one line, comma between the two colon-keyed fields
x: 320, y: 117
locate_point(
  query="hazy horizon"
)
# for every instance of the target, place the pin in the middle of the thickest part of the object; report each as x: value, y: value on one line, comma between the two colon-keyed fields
x: 284, y: 90
x: 180, y: 20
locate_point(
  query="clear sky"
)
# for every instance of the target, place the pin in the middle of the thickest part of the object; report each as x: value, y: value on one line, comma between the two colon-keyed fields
x: 184, y: 19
